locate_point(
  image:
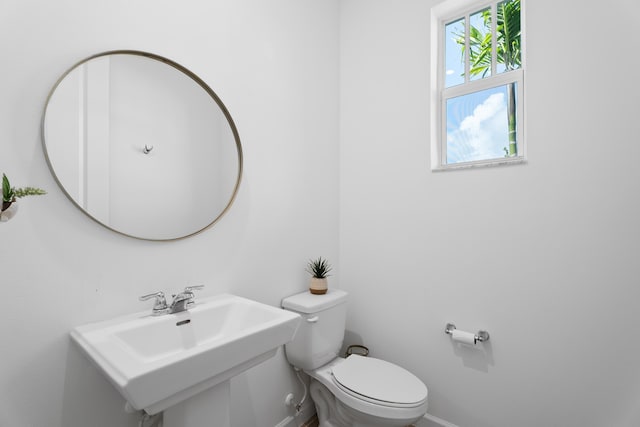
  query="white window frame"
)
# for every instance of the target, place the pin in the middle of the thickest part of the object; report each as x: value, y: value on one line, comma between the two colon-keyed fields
x: 441, y: 15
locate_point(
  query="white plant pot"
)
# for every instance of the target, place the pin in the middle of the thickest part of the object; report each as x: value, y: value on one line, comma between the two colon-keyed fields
x: 9, y: 213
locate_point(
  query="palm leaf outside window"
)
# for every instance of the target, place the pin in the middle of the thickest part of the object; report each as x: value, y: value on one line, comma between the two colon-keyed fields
x: 507, y: 51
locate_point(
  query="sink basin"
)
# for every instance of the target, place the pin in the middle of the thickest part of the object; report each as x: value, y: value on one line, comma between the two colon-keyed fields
x: 158, y: 361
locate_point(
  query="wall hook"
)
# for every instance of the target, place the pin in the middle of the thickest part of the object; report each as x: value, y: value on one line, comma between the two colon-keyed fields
x: 147, y: 149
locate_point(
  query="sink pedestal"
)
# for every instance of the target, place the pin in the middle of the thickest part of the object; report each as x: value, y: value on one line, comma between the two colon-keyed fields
x: 209, y: 408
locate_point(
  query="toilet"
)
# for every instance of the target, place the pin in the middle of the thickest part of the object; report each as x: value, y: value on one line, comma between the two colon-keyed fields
x: 357, y: 391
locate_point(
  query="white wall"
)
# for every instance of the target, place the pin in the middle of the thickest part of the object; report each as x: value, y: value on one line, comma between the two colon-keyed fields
x: 274, y: 65
x: 544, y: 255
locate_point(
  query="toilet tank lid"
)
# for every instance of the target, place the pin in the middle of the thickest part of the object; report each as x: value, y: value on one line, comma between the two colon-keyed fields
x: 306, y: 302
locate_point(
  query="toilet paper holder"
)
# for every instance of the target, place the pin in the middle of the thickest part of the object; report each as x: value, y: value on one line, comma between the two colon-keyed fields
x: 480, y: 336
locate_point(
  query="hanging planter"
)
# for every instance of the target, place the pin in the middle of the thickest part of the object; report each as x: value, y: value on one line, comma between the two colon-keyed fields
x: 8, y: 211
x: 11, y: 194
x: 319, y: 270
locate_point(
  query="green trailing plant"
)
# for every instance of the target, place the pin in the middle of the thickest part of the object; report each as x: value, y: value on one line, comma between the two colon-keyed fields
x: 319, y: 268
x: 28, y: 191
x: 10, y: 194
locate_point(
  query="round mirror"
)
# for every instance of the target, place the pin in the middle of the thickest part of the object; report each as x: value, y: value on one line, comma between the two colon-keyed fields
x: 142, y: 145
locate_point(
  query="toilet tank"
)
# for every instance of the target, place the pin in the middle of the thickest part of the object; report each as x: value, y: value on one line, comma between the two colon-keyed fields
x: 321, y: 332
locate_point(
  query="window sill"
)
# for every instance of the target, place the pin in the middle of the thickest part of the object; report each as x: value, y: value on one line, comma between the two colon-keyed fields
x: 479, y: 164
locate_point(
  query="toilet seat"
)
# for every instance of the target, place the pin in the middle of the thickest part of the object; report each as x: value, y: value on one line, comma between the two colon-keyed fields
x: 362, y: 407
x: 379, y: 382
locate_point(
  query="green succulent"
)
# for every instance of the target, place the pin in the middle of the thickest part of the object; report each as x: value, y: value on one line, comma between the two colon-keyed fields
x: 319, y: 268
x: 8, y: 194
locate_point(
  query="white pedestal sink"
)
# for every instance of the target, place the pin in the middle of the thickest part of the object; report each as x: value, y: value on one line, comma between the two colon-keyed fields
x: 182, y: 363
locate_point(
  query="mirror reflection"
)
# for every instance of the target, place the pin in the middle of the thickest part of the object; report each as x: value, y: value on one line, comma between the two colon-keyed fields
x: 142, y: 145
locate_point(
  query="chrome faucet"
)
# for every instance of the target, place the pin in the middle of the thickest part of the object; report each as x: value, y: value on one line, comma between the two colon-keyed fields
x: 181, y: 302
x: 184, y: 299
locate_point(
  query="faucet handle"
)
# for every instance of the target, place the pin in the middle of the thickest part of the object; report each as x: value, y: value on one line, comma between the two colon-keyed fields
x: 160, y: 306
x: 190, y: 289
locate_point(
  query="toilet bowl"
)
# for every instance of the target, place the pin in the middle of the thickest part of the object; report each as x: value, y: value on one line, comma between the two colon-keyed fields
x: 357, y: 391
x: 368, y: 392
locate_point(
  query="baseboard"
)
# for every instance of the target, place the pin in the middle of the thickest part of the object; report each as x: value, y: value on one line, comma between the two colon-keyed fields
x: 287, y: 422
x: 308, y: 411
x: 432, y: 421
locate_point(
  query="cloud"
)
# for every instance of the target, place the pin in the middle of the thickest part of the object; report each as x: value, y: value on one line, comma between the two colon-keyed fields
x: 481, y: 135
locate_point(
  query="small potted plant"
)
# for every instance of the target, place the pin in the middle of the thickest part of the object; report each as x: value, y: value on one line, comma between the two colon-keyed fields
x: 319, y: 270
x: 9, y: 196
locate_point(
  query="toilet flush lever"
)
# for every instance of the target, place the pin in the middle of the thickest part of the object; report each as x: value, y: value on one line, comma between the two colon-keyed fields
x: 313, y: 319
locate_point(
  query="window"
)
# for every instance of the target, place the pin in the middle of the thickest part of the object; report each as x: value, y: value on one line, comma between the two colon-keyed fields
x: 477, y: 83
